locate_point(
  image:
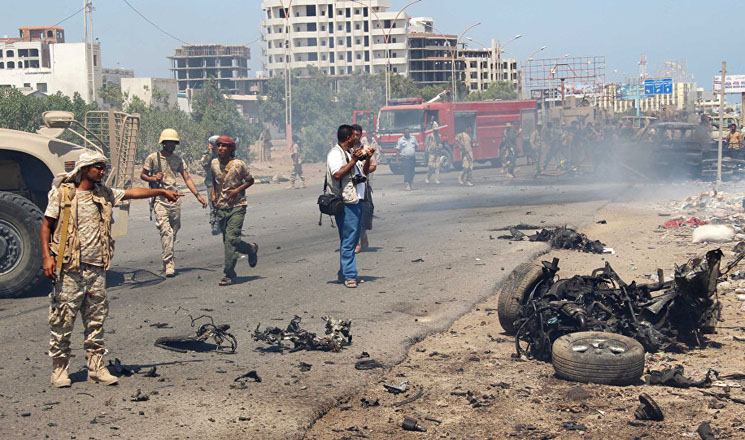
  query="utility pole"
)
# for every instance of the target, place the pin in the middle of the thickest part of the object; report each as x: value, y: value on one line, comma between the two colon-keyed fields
x: 89, y: 42
x: 721, y: 121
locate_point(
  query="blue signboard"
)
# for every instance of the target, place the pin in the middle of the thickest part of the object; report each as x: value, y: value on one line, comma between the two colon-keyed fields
x: 661, y: 86
x: 629, y: 91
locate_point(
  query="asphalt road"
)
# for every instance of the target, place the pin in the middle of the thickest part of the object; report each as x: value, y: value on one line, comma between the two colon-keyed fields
x: 433, y: 257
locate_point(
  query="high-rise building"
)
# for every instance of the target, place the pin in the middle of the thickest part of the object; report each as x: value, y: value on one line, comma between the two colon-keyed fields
x: 487, y: 65
x: 337, y: 37
x: 194, y: 64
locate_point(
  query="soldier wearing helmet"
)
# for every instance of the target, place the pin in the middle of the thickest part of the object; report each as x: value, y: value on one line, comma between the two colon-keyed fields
x: 160, y: 171
x: 230, y: 179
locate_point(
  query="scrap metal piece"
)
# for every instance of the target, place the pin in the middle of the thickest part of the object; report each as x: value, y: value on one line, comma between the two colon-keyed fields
x: 410, y: 424
x: 398, y: 388
x: 218, y: 333
x: 648, y: 409
x: 410, y: 399
x: 336, y: 337
x: 250, y: 375
x: 368, y: 364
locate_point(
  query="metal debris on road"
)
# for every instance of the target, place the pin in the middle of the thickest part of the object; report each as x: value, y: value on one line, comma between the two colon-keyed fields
x: 250, y: 375
x: 151, y: 373
x: 139, y: 397
x: 218, y: 333
x: 674, y: 377
x: 336, y: 337
x: 304, y: 366
x: 410, y: 424
x: 398, y: 388
x: 368, y: 364
x: 648, y: 409
x: 118, y: 369
x: 559, y: 237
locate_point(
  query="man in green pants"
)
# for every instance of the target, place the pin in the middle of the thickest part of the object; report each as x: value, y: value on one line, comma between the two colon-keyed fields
x: 231, y: 178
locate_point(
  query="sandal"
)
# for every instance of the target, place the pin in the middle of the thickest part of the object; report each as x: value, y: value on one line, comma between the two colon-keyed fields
x: 225, y: 281
x: 352, y: 284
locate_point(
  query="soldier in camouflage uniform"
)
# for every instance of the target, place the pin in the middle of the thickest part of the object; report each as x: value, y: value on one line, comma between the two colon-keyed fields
x: 297, y: 163
x: 508, y: 150
x: 160, y: 170
x: 464, y: 142
x: 433, y: 147
x: 231, y: 179
x: 79, y: 201
x: 538, y: 146
x: 206, y: 162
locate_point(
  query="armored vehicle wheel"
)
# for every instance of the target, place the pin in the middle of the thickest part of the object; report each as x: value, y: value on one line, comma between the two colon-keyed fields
x: 598, y: 357
x: 514, y: 292
x: 20, y: 248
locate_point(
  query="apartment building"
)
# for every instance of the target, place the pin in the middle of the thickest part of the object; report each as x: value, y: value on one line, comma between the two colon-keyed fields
x: 40, y: 60
x: 194, y: 64
x: 484, y: 66
x: 336, y: 37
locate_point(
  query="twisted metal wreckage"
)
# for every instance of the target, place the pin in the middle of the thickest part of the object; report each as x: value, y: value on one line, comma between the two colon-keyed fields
x: 337, y: 335
x: 539, y: 308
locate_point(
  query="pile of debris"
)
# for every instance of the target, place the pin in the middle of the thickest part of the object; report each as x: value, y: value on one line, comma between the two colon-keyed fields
x: 710, y: 207
x: 559, y: 237
x: 337, y: 336
x: 687, y: 307
x: 224, y: 342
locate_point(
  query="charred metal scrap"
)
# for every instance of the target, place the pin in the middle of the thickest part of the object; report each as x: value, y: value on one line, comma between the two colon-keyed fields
x: 559, y: 238
x: 686, y: 308
x: 337, y: 335
x: 218, y: 333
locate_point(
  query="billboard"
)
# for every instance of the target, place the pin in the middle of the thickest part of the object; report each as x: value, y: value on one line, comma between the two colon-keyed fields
x: 629, y: 91
x: 658, y: 86
x: 732, y: 84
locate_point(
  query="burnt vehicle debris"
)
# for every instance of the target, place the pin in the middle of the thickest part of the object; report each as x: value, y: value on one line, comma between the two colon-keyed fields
x: 559, y: 237
x: 539, y: 308
x: 336, y: 337
x: 224, y: 342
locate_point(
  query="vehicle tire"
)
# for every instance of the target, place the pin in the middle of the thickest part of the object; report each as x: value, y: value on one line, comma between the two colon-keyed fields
x: 513, y: 293
x: 396, y: 168
x: 598, y: 357
x: 20, y: 246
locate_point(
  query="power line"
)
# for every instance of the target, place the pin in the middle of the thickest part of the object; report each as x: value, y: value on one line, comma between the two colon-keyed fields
x: 153, y: 24
x: 69, y: 17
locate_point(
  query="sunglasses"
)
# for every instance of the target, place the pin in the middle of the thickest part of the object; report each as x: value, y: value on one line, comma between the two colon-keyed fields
x: 100, y: 166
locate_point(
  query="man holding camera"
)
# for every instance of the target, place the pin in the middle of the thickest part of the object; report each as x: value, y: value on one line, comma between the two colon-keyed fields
x: 347, y: 180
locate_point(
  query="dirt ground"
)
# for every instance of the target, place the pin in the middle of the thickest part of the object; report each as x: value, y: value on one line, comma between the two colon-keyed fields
x: 523, y: 399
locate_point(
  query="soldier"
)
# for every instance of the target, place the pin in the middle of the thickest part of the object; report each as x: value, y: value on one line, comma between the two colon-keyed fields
x: 297, y: 163
x: 508, y: 150
x: 77, y: 247
x: 433, y: 147
x: 464, y: 142
x: 206, y: 162
x: 160, y: 170
x: 537, y: 145
x: 265, y: 144
x: 231, y: 178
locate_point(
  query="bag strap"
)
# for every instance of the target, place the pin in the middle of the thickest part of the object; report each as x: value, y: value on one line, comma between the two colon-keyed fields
x: 63, y: 233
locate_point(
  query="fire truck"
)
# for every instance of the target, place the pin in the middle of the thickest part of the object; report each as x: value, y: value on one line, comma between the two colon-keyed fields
x: 485, y: 122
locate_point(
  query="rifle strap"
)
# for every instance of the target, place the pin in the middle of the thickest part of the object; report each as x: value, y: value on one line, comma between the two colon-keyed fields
x: 63, y: 232
x: 224, y: 174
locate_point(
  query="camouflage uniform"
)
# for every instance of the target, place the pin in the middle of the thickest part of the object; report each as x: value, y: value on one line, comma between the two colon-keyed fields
x: 88, y: 252
x: 206, y: 162
x: 463, y: 142
x: 232, y: 214
x: 297, y: 165
x: 508, y: 151
x: 537, y: 144
x: 167, y: 214
x: 434, y: 150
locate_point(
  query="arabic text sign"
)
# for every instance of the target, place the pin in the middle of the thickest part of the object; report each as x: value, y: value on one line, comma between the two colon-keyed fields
x: 732, y: 83
x: 629, y: 91
x: 658, y: 86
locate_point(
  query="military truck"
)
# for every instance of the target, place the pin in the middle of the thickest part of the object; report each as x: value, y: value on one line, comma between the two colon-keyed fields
x: 28, y: 163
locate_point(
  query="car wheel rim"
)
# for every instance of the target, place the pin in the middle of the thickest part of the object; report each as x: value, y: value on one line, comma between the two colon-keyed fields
x: 599, y: 346
x: 11, y: 247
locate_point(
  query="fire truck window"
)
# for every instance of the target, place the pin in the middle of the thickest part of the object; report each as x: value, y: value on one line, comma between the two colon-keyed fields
x: 395, y: 121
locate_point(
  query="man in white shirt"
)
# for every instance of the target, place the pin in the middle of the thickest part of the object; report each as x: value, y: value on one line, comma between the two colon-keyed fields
x: 406, y: 146
x: 346, y: 179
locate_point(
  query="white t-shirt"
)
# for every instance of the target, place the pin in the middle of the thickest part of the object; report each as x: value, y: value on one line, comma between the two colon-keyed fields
x: 335, y: 161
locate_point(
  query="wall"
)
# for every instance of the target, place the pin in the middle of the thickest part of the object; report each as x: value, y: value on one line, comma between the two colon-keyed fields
x: 143, y: 88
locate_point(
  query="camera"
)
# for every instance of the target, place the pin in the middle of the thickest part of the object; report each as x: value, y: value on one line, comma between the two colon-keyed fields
x: 357, y: 179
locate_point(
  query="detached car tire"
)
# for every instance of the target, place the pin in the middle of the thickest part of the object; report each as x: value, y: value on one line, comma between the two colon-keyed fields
x: 598, y: 357
x: 513, y: 293
x: 20, y: 245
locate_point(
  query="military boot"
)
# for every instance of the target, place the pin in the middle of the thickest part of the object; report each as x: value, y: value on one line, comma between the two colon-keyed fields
x: 60, y: 378
x: 97, y: 371
x: 170, y: 269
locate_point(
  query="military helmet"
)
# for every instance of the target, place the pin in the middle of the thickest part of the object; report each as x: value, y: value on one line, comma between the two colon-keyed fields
x: 169, y: 134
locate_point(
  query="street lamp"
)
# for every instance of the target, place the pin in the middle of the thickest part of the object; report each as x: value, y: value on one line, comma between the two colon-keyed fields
x: 288, y: 80
x: 452, y: 62
x: 387, y: 36
x: 530, y: 57
x: 500, y: 48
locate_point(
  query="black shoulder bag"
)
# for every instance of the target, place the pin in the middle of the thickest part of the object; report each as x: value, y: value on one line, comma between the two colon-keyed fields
x: 328, y: 203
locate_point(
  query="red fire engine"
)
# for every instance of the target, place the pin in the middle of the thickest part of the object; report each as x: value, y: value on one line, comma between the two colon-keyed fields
x: 484, y: 121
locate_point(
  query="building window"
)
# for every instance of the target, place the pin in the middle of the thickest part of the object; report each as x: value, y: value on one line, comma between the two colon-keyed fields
x: 340, y: 27
x: 2, y: 65
x: 331, y: 59
x: 269, y: 45
x: 331, y: 43
x: 42, y: 87
x: 349, y: 70
x: 367, y: 56
x: 9, y: 54
x: 357, y: 27
x: 269, y: 14
x: 349, y: 12
x: 27, y: 85
x: 281, y: 12
x: 367, y: 27
x: 357, y: 41
x: 312, y: 42
x: 323, y: 57
x: 349, y: 56
x: 356, y: 12
x: 11, y: 65
x: 310, y: 11
x: 313, y: 56
x: 367, y: 41
x: 474, y: 86
x: 349, y: 41
x: 331, y: 28
x: 311, y: 27
x: 349, y: 26
x: 395, y: 69
x: 323, y: 28
x: 332, y: 69
x: 323, y: 42
x: 50, y: 34
x: 270, y: 58
x: 359, y: 56
x: 393, y: 40
x: 331, y: 13
x: 364, y: 13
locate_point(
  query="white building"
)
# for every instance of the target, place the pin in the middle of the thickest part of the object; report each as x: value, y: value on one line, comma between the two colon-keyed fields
x: 147, y: 89
x: 49, y: 68
x: 487, y: 65
x: 337, y: 37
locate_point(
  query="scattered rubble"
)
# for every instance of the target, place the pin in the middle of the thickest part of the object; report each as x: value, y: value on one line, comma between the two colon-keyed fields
x: 674, y: 377
x: 410, y: 424
x: 398, y: 388
x: 218, y: 333
x: 368, y: 364
x: 559, y: 237
x: 336, y: 337
x: 250, y: 375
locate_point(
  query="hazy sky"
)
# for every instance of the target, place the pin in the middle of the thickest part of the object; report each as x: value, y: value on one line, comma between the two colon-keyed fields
x: 679, y: 30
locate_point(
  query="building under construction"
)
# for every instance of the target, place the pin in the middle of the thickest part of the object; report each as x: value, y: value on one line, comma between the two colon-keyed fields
x: 194, y: 64
x: 431, y: 57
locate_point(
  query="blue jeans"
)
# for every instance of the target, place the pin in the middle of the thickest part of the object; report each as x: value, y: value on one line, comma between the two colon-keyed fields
x: 349, y: 224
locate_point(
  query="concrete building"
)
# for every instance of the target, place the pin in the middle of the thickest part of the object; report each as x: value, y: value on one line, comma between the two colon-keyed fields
x: 159, y: 92
x: 485, y: 66
x: 431, y: 58
x: 337, y: 37
x: 194, y: 64
x: 43, y: 62
x: 113, y: 76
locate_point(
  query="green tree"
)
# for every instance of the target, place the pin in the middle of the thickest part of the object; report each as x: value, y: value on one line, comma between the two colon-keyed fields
x: 496, y: 90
